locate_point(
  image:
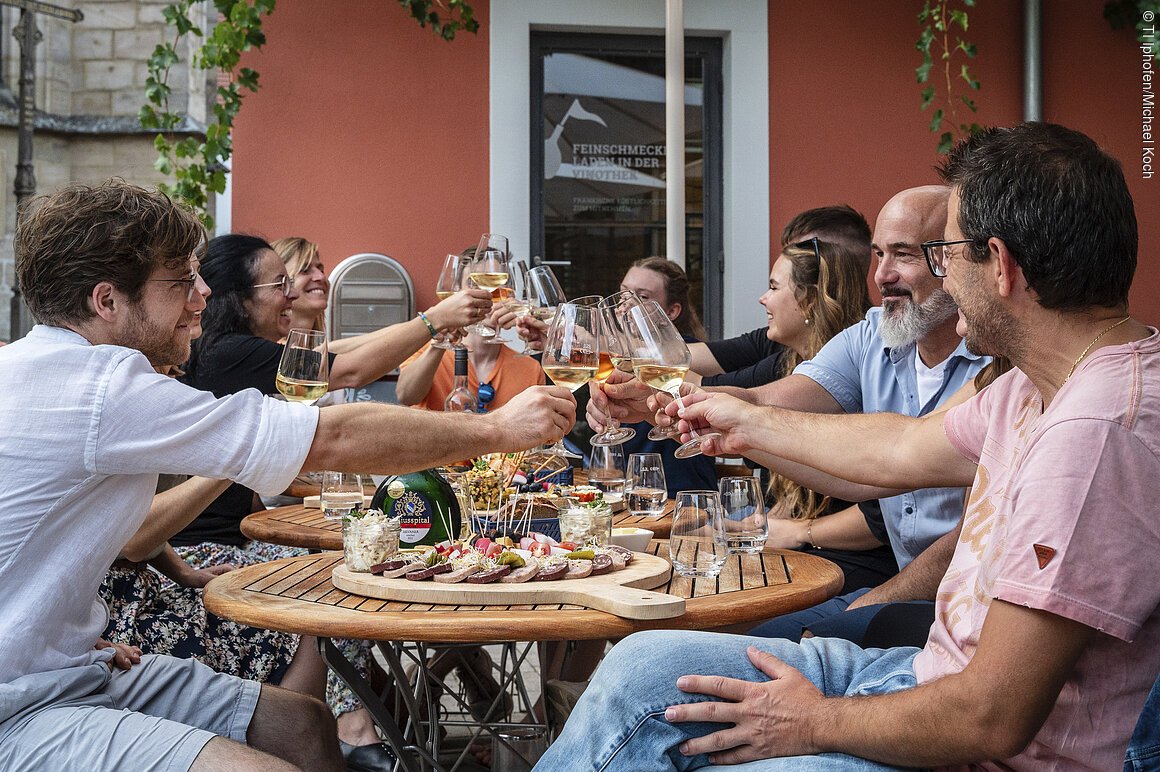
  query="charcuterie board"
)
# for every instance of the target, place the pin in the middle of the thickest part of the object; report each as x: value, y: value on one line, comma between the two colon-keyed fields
x: 625, y: 593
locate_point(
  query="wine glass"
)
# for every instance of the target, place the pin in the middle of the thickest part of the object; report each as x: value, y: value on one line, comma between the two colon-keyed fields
x: 304, y: 370
x: 615, y: 353
x: 571, y: 351
x: 450, y: 281
x: 489, y: 270
x: 544, y: 295
x: 645, y: 484
x: 493, y: 241
x: 660, y: 358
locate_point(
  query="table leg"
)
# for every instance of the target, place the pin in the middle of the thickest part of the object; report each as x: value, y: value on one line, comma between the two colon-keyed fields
x: 366, y: 694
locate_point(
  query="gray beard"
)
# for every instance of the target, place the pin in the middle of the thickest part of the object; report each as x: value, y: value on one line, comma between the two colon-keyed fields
x: 915, y: 321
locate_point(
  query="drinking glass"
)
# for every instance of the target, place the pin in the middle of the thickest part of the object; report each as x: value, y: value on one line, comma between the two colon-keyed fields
x: 606, y: 469
x: 746, y: 526
x: 571, y: 351
x: 697, y: 541
x: 341, y: 492
x: 304, y: 370
x: 645, y: 484
x: 544, y: 296
x: 489, y: 270
x: 660, y: 358
x: 450, y: 281
x: 615, y: 353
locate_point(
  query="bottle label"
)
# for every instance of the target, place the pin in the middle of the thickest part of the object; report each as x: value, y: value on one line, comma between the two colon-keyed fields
x: 415, y: 511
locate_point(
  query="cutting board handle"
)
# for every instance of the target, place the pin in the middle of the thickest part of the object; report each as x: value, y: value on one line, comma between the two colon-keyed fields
x: 628, y: 602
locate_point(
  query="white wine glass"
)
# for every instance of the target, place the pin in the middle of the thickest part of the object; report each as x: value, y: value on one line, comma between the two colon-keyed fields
x: 615, y: 354
x: 304, y: 370
x: 571, y: 351
x: 544, y: 296
x: 489, y: 271
x: 450, y: 281
x: 660, y: 359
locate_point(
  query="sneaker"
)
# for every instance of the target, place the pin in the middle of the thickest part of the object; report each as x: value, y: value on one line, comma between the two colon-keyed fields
x: 561, y: 697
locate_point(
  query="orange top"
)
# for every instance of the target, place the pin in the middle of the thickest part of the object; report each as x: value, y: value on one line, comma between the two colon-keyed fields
x: 511, y: 375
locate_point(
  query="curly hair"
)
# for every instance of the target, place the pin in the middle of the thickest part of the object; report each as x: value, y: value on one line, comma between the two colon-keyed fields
x: 71, y: 240
x: 830, y: 286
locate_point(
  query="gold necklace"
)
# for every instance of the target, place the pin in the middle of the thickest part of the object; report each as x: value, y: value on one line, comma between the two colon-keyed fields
x: 1085, y: 352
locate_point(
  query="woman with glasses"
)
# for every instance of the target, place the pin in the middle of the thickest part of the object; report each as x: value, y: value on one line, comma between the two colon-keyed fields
x: 246, y: 315
x: 495, y: 374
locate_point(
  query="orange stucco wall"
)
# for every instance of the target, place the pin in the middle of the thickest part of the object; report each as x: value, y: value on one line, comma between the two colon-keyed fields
x: 844, y: 106
x: 368, y: 134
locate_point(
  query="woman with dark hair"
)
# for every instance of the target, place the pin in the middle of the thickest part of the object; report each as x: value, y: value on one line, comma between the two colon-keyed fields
x: 245, y: 317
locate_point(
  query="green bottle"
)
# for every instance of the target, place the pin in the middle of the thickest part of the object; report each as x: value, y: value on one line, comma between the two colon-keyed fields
x: 425, y: 503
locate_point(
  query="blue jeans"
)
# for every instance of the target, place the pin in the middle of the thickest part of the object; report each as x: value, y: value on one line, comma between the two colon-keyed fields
x: 1144, y: 749
x: 825, y: 620
x: 619, y: 722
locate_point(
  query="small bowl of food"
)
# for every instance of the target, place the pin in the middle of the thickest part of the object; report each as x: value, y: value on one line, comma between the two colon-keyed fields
x: 635, y: 539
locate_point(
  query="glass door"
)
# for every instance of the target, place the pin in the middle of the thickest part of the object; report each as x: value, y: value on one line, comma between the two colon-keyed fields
x: 598, y: 161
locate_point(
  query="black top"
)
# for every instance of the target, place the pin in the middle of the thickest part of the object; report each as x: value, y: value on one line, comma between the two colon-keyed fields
x: 748, y: 360
x: 236, y: 362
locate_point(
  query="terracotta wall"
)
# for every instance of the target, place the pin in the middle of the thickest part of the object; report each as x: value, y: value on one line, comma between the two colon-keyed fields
x: 368, y: 134
x: 844, y: 106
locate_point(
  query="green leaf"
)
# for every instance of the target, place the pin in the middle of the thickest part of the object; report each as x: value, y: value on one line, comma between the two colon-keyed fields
x: 945, y: 143
x: 969, y: 103
x: 959, y: 18
x: 927, y: 96
x: 936, y: 120
x: 922, y: 71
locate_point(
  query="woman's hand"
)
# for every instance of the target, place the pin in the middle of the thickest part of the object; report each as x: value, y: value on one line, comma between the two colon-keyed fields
x: 196, y: 577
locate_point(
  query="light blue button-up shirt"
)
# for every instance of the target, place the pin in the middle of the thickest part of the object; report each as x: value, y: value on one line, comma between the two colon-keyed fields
x: 866, y: 376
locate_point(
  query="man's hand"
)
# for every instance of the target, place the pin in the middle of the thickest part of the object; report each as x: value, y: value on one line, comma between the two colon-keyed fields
x: 716, y: 412
x: 769, y: 718
x: 623, y: 397
x: 536, y: 416
x: 126, y: 657
x: 459, y: 310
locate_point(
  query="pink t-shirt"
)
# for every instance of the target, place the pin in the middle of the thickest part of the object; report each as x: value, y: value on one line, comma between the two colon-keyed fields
x: 1064, y: 517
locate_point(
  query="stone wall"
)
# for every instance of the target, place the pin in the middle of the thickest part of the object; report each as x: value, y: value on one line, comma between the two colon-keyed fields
x: 90, y: 84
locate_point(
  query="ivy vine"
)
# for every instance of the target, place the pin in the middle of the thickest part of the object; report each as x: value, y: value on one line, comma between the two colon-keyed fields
x: 1139, y: 15
x: 940, y: 41
x: 198, y: 163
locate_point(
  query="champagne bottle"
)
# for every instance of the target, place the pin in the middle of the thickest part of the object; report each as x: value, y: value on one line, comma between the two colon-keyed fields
x: 426, y: 504
x: 460, y: 400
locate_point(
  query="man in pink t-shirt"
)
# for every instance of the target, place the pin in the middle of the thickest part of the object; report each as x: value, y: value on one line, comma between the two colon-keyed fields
x: 1045, y: 642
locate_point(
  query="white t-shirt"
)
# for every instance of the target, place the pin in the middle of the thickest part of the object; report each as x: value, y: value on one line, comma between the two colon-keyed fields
x: 86, y: 431
x: 1063, y: 518
x: 928, y: 379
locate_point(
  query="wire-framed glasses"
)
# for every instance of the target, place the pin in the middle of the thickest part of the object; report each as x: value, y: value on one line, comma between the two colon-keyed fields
x: 286, y: 283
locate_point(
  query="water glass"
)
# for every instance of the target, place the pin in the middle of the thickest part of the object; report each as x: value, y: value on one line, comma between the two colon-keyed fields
x: 606, y: 469
x: 746, y: 526
x: 697, y: 542
x: 646, y: 485
x: 341, y: 492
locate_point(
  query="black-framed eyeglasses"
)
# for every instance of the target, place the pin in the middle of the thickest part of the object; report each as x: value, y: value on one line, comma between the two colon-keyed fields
x: 484, y: 396
x: 811, y: 243
x: 191, y: 284
x: 286, y: 283
x: 938, y: 254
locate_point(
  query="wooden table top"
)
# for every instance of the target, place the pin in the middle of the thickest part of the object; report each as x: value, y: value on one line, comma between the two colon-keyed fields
x: 299, y: 526
x: 296, y: 595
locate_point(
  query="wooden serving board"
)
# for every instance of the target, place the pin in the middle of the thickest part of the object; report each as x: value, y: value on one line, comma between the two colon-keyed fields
x: 625, y: 593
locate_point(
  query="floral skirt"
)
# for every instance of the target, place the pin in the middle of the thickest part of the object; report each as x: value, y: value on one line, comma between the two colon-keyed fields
x: 152, y: 612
